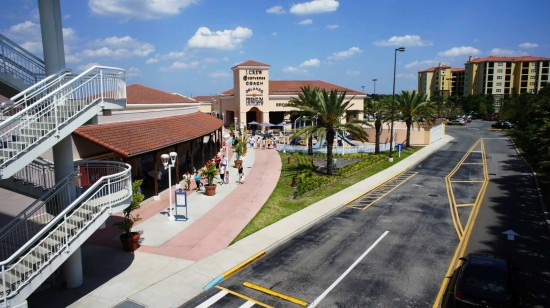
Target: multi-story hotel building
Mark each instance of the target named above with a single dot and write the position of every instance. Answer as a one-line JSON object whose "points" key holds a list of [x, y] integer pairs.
{"points": [[441, 82], [497, 76]]}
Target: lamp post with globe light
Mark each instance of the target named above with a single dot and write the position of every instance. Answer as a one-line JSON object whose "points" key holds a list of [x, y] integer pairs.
{"points": [[169, 161]]}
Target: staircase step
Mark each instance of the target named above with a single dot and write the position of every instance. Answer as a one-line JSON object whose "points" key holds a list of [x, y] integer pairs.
{"points": [[23, 269], [6, 291]]}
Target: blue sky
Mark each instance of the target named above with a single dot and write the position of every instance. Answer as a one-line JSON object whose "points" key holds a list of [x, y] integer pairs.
{"points": [[189, 46]]}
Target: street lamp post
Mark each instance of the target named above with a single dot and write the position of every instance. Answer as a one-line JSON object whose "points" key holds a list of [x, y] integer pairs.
{"points": [[169, 161], [400, 49], [374, 88], [284, 136]]}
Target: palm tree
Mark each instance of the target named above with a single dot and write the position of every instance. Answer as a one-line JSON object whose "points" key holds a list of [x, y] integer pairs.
{"points": [[330, 108], [306, 97], [377, 108], [413, 106]]}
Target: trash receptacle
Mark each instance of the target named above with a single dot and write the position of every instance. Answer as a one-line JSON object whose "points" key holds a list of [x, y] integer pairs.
{"points": [[334, 161]]}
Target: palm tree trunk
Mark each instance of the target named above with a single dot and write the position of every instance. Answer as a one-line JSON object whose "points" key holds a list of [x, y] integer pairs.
{"points": [[378, 132], [310, 145], [330, 142], [408, 143]]}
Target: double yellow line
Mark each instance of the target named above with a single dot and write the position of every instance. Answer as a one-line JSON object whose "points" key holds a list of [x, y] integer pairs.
{"points": [[462, 232]]}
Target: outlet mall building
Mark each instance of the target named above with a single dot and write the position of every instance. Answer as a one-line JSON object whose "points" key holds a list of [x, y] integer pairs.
{"points": [[256, 98]]}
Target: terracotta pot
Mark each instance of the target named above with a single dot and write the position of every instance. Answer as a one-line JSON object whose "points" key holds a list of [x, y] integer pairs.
{"points": [[210, 189], [238, 163], [130, 243]]}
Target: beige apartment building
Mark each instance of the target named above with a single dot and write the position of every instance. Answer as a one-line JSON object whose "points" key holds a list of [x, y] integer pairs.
{"points": [[491, 75], [441, 81], [256, 98]]}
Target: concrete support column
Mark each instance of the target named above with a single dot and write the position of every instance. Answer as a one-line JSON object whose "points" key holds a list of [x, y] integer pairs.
{"points": [[52, 35], [72, 270], [54, 58]]}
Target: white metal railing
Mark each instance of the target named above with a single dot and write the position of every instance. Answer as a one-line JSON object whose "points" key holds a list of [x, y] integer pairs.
{"points": [[46, 117], [368, 148], [33, 93], [40, 173], [19, 62], [49, 227]]}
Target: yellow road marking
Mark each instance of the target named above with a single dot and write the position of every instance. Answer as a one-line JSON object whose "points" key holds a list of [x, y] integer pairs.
{"points": [[243, 264], [274, 293], [472, 163], [244, 297], [465, 205], [461, 248], [383, 194]]}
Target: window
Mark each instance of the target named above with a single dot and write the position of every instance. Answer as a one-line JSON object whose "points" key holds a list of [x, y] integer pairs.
{"points": [[499, 77], [533, 77], [499, 84], [500, 64], [533, 71], [531, 90], [498, 90], [532, 83], [499, 71]]}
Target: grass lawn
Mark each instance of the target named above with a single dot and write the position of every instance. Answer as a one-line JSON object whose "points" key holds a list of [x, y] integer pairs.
{"points": [[282, 203]]}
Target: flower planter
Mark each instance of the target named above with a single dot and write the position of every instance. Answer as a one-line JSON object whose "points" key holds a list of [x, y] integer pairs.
{"points": [[238, 163], [130, 243], [210, 189]]}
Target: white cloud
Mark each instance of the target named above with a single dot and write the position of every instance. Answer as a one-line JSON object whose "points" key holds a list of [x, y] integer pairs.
{"points": [[275, 10], [332, 27], [311, 63], [133, 72], [220, 75], [152, 61], [459, 51], [27, 34], [314, 7], [295, 70], [226, 39], [528, 45], [421, 63], [345, 54], [405, 40], [507, 52], [140, 9], [305, 22], [179, 65], [119, 47], [353, 73]]}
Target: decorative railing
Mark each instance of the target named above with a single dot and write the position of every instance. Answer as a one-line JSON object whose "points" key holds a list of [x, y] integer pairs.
{"points": [[48, 227], [20, 63], [34, 93], [45, 117], [39, 173]]}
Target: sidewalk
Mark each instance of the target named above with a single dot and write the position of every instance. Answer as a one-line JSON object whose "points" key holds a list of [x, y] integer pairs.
{"points": [[178, 258]]}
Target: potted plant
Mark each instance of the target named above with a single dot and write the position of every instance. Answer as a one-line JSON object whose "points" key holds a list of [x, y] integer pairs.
{"points": [[240, 148], [130, 239], [210, 173]]}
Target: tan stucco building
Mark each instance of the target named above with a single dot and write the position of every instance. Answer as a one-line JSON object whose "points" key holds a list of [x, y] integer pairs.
{"points": [[255, 97]]}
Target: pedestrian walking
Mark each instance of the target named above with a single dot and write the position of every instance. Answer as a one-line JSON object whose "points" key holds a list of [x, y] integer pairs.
{"points": [[197, 178], [222, 174], [241, 175]]}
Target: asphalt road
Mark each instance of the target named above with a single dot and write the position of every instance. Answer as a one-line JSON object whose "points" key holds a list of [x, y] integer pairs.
{"points": [[396, 252]]}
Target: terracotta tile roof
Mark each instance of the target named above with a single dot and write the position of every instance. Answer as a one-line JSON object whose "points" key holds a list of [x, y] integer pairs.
{"points": [[135, 137], [508, 59], [251, 63], [138, 94], [291, 87], [3, 98], [457, 69], [431, 69], [203, 98]]}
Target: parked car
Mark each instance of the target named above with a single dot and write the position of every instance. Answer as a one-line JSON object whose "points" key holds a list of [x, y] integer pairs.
{"points": [[485, 281], [458, 121], [503, 125]]}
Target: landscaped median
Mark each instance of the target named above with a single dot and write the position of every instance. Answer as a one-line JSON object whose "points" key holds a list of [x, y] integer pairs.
{"points": [[312, 185]]}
